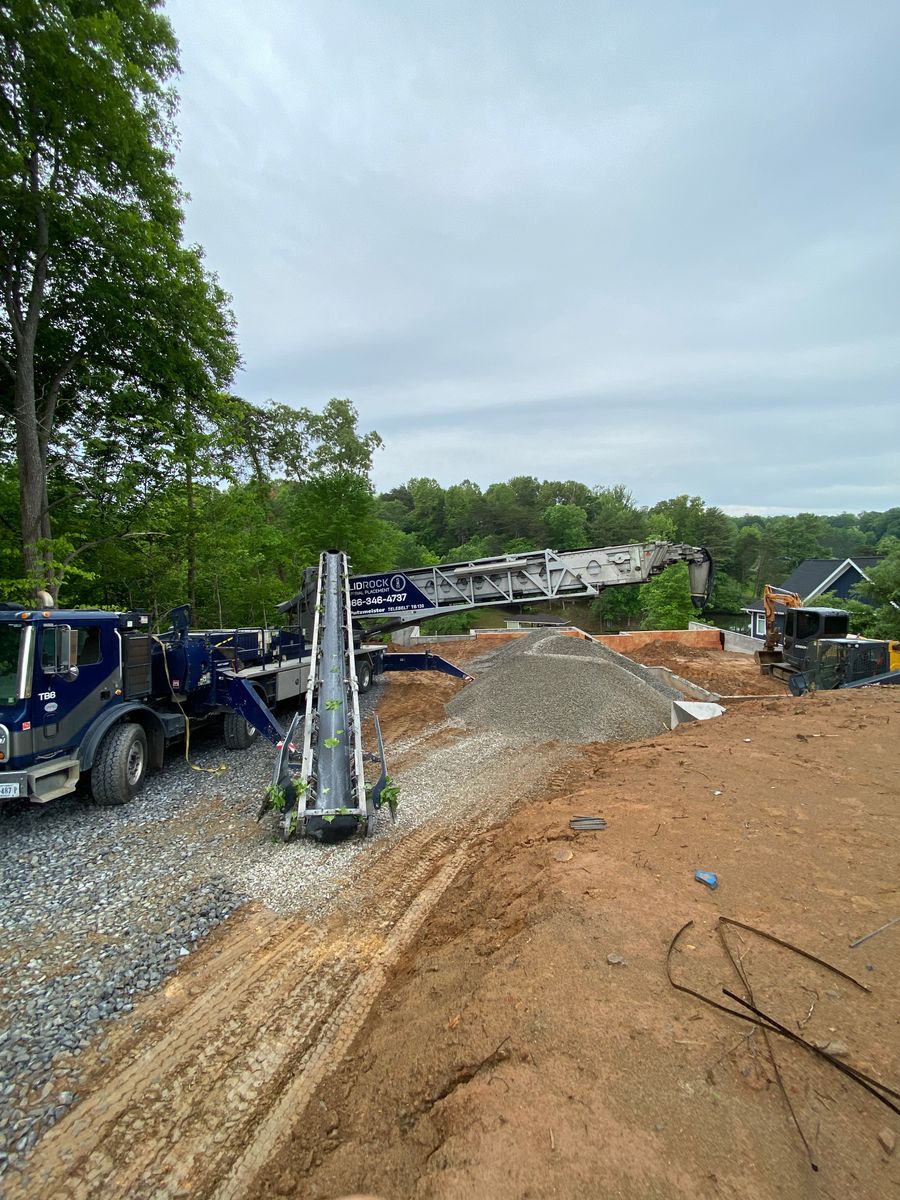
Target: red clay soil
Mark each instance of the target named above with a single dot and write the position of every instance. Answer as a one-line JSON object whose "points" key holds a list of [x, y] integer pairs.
{"points": [[716, 670], [530, 1043]]}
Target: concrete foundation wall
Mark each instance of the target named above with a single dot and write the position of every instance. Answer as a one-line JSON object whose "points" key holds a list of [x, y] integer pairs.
{"points": [[705, 638], [739, 643]]}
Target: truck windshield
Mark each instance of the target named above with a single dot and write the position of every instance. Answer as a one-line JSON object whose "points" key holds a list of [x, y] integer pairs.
{"points": [[10, 637]]}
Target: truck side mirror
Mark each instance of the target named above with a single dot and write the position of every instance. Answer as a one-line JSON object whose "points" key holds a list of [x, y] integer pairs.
{"points": [[65, 653]]}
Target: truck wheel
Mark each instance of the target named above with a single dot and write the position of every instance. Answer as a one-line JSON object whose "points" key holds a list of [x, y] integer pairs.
{"points": [[120, 766], [364, 677], [239, 734]]}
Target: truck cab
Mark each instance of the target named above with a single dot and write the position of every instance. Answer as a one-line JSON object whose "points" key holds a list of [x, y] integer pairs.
{"points": [[66, 676]]}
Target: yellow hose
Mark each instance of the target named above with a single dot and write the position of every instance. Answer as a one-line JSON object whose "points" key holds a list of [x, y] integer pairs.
{"points": [[187, 721]]}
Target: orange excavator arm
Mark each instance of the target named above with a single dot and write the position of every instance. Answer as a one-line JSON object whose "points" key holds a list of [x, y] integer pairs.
{"points": [[771, 597]]}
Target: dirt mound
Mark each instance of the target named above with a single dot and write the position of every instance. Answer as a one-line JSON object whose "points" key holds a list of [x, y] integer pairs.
{"points": [[658, 652], [718, 671]]}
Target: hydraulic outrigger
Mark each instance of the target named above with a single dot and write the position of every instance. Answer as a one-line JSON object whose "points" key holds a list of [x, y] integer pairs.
{"points": [[318, 783]]}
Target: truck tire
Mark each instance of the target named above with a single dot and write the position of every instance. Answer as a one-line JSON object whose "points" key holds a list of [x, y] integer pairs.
{"points": [[120, 766], [239, 734], [364, 676]]}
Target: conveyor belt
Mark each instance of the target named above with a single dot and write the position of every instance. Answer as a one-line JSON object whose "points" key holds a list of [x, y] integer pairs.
{"points": [[319, 772]]}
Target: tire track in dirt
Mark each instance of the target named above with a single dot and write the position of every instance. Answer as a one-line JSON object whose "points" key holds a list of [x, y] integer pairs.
{"points": [[337, 1037], [197, 1100]]}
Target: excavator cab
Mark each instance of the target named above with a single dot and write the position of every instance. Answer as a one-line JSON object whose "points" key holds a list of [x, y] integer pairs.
{"points": [[804, 628]]}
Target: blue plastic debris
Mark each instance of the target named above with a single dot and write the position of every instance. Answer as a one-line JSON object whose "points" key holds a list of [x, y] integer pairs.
{"points": [[708, 877]]}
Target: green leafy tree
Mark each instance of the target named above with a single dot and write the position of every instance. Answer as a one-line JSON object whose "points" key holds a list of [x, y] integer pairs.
{"points": [[666, 600], [100, 296], [568, 491], [566, 526], [883, 591], [728, 596], [426, 519], [516, 545], [699, 524], [881, 524], [615, 519], [806, 536], [410, 552], [506, 513], [618, 607], [463, 515], [745, 559], [476, 547], [845, 537]]}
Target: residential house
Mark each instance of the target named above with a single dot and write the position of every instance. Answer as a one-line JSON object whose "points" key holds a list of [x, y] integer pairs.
{"points": [[812, 578]]}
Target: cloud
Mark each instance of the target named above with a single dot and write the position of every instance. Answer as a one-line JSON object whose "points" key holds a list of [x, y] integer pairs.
{"points": [[655, 244]]}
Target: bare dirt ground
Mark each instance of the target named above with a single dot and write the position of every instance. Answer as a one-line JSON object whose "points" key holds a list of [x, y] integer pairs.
{"points": [[716, 670], [453, 1028]]}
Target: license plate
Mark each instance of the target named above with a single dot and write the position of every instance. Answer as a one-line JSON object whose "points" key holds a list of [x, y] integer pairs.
{"points": [[8, 789]]}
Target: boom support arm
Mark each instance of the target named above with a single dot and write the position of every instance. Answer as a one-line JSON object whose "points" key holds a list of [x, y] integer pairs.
{"points": [[421, 592]]}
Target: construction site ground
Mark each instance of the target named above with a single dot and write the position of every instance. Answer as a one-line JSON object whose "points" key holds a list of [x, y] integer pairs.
{"points": [[486, 1011], [720, 671]]}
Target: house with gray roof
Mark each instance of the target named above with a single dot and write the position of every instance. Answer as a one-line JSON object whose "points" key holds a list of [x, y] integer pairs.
{"points": [[812, 578]]}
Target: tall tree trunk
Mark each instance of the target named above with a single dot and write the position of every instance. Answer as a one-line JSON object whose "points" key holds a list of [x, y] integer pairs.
{"points": [[24, 321], [28, 452], [191, 533]]}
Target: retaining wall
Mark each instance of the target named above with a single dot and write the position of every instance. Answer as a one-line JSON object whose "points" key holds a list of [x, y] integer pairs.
{"points": [[705, 638], [739, 643]]}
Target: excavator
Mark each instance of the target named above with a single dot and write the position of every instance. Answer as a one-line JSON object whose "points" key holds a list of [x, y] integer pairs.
{"points": [[816, 652]]}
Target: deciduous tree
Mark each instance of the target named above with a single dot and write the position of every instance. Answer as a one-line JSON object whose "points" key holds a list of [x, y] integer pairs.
{"points": [[99, 294]]}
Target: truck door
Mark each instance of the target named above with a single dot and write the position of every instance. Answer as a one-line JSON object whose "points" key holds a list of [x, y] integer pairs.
{"points": [[77, 672]]}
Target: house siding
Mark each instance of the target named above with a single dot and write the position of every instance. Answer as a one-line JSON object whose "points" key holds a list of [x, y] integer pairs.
{"points": [[844, 583]]}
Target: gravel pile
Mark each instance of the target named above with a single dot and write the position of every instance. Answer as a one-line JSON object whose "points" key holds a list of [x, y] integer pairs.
{"points": [[554, 687], [635, 669]]}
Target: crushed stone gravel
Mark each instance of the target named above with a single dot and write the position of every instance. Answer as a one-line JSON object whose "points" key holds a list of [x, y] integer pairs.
{"points": [[556, 687], [100, 905]]}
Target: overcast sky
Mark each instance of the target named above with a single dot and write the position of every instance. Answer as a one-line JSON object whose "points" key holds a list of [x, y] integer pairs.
{"points": [[649, 243]]}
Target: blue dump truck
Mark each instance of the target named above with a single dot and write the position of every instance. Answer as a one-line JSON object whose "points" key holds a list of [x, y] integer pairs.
{"points": [[94, 696]]}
